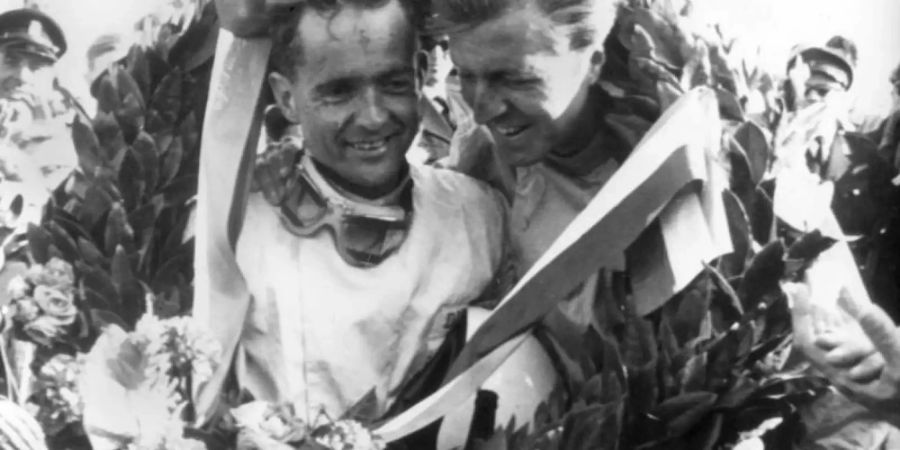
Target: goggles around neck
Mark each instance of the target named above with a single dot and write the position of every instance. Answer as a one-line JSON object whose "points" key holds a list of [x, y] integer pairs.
{"points": [[365, 233]]}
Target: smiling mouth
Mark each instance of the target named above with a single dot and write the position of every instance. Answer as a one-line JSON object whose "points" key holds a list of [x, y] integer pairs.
{"points": [[510, 132], [369, 145]]}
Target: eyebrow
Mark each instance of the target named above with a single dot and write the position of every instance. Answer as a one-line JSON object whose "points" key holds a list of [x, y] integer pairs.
{"points": [[396, 71], [501, 72], [325, 87], [353, 79]]}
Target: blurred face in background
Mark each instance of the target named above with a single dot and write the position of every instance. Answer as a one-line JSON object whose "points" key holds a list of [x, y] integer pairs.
{"points": [[439, 63], [24, 75], [826, 81], [355, 93], [823, 90]]}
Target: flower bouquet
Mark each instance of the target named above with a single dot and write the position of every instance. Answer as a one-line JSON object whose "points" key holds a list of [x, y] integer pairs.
{"points": [[264, 426], [42, 303], [136, 387]]}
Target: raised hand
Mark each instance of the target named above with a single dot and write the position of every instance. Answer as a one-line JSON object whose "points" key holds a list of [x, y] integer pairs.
{"points": [[856, 346], [831, 339], [871, 385]]}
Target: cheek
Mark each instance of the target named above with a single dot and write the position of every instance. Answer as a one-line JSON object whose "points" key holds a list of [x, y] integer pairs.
{"points": [[319, 125], [560, 94], [319, 115], [467, 91], [44, 78], [405, 109], [563, 82], [538, 105]]}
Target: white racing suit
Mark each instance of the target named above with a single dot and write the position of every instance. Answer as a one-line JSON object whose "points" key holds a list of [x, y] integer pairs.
{"points": [[322, 334]]}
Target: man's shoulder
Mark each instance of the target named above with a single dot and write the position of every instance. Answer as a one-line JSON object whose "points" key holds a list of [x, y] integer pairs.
{"points": [[447, 186]]}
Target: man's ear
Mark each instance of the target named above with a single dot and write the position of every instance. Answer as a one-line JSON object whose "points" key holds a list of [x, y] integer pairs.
{"points": [[421, 67], [284, 96], [597, 61]]}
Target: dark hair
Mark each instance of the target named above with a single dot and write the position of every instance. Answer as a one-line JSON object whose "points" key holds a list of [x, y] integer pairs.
{"points": [[287, 51], [577, 16]]}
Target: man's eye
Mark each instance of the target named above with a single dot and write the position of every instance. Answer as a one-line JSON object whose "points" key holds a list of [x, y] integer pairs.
{"points": [[400, 85], [336, 92], [12, 60], [36, 65], [518, 81]]}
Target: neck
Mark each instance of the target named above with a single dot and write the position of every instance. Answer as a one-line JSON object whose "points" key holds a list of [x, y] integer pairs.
{"points": [[585, 148], [365, 192], [584, 129]]}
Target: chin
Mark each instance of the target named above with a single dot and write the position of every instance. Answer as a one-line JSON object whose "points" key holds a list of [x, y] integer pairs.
{"points": [[381, 174], [521, 157]]}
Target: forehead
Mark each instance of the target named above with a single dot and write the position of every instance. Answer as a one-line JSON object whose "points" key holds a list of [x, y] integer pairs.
{"points": [[356, 39], [516, 38]]}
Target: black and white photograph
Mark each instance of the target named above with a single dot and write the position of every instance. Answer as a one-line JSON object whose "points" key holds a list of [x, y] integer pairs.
{"points": [[449, 224]]}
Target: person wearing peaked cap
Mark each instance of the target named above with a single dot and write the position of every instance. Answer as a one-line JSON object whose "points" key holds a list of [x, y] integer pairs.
{"points": [[34, 109], [817, 72], [31, 31], [817, 103], [30, 44]]}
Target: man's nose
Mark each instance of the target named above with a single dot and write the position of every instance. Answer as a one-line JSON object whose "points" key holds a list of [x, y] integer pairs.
{"points": [[24, 73], [373, 113], [486, 104]]}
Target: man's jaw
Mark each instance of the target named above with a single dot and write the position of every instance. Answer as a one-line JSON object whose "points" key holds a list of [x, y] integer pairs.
{"points": [[522, 152]]}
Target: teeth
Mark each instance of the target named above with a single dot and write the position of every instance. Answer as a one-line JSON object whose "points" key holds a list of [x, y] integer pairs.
{"points": [[368, 145], [510, 131]]}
